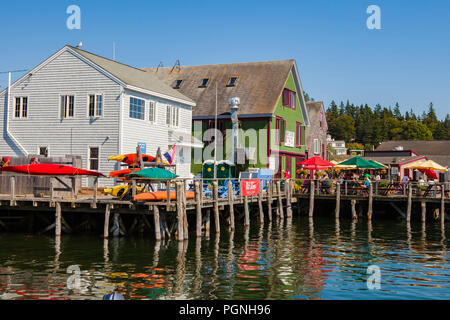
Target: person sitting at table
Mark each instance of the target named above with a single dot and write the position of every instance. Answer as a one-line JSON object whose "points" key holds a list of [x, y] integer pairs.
{"points": [[367, 182], [326, 183]]}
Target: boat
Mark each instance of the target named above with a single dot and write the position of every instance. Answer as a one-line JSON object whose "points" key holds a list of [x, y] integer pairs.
{"points": [[131, 158], [120, 191], [161, 195], [50, 169], [121, 173]]}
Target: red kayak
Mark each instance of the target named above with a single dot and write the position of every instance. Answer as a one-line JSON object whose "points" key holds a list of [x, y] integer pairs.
{"points": [[121, 173], [47, 169], [130, 158]]}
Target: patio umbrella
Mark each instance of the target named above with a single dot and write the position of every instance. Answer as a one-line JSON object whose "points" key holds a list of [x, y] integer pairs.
{"points": [[316, 163], [428, 164], [359, 162], [153, 174], [377, 165]]}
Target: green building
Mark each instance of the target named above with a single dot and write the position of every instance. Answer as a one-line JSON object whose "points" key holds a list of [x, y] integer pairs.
{"points": [[272, 112]]}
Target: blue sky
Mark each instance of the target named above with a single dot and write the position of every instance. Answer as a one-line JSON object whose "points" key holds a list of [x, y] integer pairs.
{"points": [[339, 58]]}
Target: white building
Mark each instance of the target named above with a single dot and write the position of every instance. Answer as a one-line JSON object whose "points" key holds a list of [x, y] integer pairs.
{"points": [[76, 102], [337, 145]]}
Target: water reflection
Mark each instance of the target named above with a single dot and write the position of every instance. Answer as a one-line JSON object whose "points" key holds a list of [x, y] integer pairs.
{"points": [[282, 259]]}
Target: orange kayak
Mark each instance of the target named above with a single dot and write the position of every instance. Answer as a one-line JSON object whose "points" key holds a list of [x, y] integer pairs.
{"points": [[130, 158], [121, 173], [161, 195]]}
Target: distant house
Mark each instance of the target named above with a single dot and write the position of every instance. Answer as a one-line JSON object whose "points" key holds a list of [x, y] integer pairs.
{"points": [[437, 150], [271, 104], [79, 103], [316, 133], [337, 145]]}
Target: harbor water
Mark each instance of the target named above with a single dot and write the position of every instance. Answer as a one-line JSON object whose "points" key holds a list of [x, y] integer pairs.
{"points": [[302, 259]]}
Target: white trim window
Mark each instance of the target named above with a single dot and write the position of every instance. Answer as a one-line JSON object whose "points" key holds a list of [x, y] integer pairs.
{"points": [[316, 146], [137, 108], [21, 107], [152, 112], [95, 105], [67, 106], [43, 151], [172, 116], [94, 156]]}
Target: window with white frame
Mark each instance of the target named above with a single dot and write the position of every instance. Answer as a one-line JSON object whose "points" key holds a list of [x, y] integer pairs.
{"points": [[316, 146], [152, 111], [93, 158], [43, 151], [137, 108], [67, 106], [95, 105], [172, 116], [21, 107]]}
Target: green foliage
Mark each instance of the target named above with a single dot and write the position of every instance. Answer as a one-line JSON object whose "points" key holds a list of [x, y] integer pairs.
{"points": [[370, 127], [355, 146]]}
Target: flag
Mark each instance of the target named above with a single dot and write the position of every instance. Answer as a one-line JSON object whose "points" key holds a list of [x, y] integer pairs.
{"points": [[170, 155]]}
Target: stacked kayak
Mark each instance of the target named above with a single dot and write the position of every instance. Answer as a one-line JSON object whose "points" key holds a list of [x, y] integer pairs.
{"points": [[161, 195], [48, 169], [131, 158], [121, 191]]}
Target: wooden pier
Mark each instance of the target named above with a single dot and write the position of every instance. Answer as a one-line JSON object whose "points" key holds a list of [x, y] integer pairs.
{"points": [[225, 205]]}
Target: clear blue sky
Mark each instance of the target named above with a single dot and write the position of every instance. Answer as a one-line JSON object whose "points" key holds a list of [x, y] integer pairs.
{"points": [[407, 61]]}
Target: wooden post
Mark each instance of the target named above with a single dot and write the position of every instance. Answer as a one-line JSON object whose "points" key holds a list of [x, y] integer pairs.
{"points": [[442, 204], [408, 211], [208, 222], [269, 199], [157, 223], [260, 205], [168, 193], [370, 211], [230, 204], [247, 215], [216, 205], [346, 187], [185, 220], [58, 220], [198, 207], [106, 225], [338, 200], [13, 190], [317, 187], [180, 218], [280, 200], [353, 204], [133, 190], [423, 204], [287, 189], [94, 203], [52, 191], [311, 198]]}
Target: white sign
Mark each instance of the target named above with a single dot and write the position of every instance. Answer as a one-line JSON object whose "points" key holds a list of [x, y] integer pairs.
{"points": [[290, 139], [272, 163]]}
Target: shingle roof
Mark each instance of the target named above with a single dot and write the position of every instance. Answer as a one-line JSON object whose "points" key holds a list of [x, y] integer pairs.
{"points": [[259, 85], [425, 148], [314, 109], [392, 160], [132, 76]]}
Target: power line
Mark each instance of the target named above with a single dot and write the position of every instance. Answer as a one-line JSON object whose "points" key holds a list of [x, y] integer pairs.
{"points": [[14, 71]]}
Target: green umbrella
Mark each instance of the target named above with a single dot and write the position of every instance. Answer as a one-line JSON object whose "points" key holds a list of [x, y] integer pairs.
{"points": [[153, 174], [376, 165], [359, 163]]}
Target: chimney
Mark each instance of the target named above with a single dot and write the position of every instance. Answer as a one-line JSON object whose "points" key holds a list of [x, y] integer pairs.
{"points": [[234, 107]]}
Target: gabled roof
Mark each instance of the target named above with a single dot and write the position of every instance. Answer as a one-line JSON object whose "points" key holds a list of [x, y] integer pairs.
{"points": [[421, 147], [127, 76], [259, 86], [314, 109]]}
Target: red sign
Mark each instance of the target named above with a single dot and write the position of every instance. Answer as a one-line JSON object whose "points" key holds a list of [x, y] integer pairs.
{"points": [[250, 187]]}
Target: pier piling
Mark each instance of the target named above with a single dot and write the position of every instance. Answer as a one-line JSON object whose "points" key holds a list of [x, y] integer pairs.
{"points": [[338, 200], [198, 208], [311, 198], [230, 204], [216, 206]]}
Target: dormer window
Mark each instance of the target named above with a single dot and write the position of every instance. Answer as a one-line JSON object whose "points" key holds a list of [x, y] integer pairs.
{"points": [[204, 83], [232, 81], [177, 84]]}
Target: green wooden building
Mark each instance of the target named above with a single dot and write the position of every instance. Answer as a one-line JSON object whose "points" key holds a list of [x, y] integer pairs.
{"points": [[272, 109]]}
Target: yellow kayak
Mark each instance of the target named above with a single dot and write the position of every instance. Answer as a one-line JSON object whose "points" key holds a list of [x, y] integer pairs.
{"points": [[121, 191]]}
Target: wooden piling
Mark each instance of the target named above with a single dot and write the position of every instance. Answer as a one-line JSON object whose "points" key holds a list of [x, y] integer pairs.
{"points": [[168, 194], [353, 205], [338, 200], [423, 204], [52, 189], [215, 185], [269, 199], [246, 213], [208, 222], [442, 204], [58, 220], [94, 201], [157, 223], [260, 204], [408, 211], [370, 209], [185, 220], [198, 208], [280, 200], [287, 189], [180, 217], [230, 204], [133, 190], [311, 198], [12, 185], [106, 225]]}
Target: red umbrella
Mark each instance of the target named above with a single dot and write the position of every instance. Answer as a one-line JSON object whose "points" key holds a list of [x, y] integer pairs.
{"points": [[430, 173], [316, 163]]}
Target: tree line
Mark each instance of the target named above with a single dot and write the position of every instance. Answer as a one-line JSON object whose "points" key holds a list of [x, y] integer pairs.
{"points": [[371, 126]]}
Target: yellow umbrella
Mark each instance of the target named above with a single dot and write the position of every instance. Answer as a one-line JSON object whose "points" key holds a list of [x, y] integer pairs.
{"points": [[343, 167], [428, 164]]}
